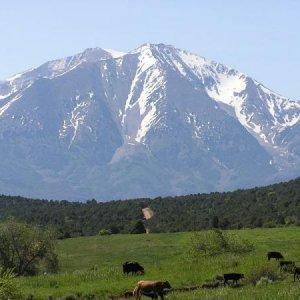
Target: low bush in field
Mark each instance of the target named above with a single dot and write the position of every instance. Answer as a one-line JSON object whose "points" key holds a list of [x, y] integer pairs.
{"points": [[8, 285], [266, 273], [104, 232], [217, 242]]}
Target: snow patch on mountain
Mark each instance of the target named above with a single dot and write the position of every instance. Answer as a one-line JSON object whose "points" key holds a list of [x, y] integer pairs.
{"points": [[145, 92], [8, 104], [235, 89], [227, 88], [115, 53]]}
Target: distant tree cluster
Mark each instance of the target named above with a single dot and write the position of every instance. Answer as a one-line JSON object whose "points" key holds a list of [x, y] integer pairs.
{"points": [[270, 206]]}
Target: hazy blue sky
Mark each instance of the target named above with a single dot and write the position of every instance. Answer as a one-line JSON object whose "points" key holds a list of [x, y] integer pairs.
{"points": [[260, 37]]}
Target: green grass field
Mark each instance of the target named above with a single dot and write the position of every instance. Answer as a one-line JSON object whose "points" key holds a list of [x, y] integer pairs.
{"points": [[93, 266]]}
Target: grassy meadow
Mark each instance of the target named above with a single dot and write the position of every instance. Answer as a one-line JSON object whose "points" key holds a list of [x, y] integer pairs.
{"points": [[92, 266]]}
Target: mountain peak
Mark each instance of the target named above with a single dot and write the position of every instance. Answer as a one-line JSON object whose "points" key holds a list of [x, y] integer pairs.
{"points": [[153, 46], [115, 53], [97, 53], [92, 55]]}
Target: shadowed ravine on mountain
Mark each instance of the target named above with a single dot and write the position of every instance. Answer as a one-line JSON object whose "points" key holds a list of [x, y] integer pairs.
{"points": [[154, 121]]}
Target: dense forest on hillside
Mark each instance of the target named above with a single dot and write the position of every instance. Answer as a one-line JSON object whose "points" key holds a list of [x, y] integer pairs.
{"points": [[269, 206]]}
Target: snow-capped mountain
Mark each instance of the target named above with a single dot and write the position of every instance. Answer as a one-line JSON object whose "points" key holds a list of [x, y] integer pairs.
{"points": [[154, 121]]}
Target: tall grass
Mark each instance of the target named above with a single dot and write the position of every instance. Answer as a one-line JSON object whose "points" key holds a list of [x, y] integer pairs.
{"points": [[9, 289]]}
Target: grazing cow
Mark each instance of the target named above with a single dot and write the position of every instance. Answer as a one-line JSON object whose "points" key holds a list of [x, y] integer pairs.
{"points": [[296, 273], [286, 265], [133, 268], [152, 289], [274, 254], [235, 277]]}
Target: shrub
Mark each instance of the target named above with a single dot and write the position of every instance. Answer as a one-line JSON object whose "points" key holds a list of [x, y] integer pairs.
{"points": [[290, 220], [8, 287], [25, 248], [103, 232], [270, 224], [214, 222], [263, 273], [217, 242]]}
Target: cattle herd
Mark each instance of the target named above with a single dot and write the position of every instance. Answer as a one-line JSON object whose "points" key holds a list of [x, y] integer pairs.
{"points": [[155, 289], [285, 264]]}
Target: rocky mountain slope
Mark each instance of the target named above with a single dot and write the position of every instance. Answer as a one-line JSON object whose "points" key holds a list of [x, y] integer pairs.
{"points": [[154, 121]]}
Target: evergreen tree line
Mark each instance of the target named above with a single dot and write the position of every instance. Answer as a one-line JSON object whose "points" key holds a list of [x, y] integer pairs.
{"points": [[270, 206]]}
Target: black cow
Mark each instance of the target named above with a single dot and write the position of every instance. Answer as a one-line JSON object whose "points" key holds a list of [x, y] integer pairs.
{"points": [[274, 254], [235, 277], [296, 273], [286, 265], [133, 267]]}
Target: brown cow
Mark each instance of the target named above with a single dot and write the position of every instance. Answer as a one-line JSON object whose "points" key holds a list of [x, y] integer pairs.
{"points": [[151, 289]]}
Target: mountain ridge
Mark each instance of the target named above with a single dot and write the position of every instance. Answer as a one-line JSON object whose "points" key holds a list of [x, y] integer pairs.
{"points": [[154, 121]]}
